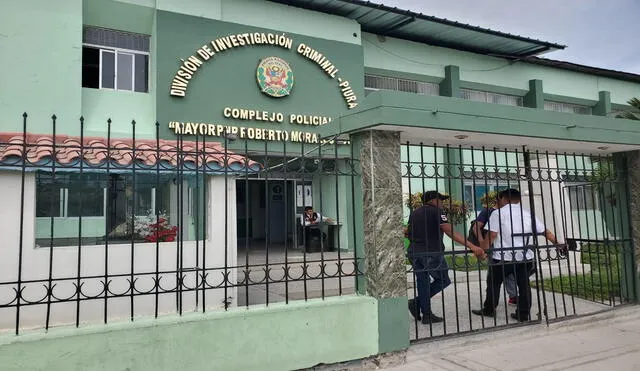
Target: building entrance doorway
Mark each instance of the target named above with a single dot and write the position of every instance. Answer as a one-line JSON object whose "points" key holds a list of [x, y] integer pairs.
{"points": [[266, 211]]}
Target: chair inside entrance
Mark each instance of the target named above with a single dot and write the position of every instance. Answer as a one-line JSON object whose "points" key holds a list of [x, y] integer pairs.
{"points": [[311, 238]]}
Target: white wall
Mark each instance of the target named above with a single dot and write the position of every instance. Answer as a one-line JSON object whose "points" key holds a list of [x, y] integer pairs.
{"points": [[35, 265]]}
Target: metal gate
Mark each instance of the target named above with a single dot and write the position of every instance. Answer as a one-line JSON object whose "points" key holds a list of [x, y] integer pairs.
{"points": [[580, 198]]}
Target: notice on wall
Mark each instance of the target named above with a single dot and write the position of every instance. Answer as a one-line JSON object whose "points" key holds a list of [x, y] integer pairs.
{"points": [[308, 200], [299, 196], [276, 193]]}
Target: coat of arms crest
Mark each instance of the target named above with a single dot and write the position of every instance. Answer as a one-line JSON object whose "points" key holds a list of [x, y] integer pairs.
{"points": [[275, 77]]}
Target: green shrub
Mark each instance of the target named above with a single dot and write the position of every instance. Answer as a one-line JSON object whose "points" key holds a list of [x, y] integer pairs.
{"points": [[465, 263], [590, 286], [602, 283]]}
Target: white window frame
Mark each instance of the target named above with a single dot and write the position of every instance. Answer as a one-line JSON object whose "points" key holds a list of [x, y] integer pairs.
{"points": [[488, 97], [116, 51], [397, 81], [568, 107]]}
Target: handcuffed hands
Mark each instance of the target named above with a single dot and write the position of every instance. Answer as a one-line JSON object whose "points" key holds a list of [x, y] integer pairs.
{"points": [[479, 253]]}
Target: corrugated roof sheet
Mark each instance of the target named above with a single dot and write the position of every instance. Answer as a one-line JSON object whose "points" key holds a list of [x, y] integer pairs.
{"points": [[404, 24]]}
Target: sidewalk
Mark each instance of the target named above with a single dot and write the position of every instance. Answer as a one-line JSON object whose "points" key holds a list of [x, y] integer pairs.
{"points": [[606, 341]]}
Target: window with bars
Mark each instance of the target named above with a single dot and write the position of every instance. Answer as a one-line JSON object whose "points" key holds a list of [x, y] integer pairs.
{"points": [[375, 82], [489, 97], [115, 60], [567, 108]]}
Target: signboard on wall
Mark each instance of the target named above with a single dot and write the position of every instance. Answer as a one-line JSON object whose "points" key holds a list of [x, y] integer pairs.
{"points": [[219, 80]]}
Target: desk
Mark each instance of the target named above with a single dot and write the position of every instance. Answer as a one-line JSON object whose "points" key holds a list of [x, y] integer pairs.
{"points": [[312, 237]]}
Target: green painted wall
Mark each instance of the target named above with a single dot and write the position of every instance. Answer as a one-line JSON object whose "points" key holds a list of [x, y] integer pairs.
{"points": [[280, 337], [260, 13], [336, 202], [211, 9], [41, 57], [118, 15], [123, 107], [265, 14], [400, 55], [393, 324]]}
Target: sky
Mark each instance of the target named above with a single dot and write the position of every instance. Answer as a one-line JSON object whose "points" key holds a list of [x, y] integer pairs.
{"points": [[598, 33]]}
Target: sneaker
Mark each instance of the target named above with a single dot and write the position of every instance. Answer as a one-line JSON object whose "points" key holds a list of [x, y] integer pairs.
{"points": [[482, 312], [413, 309], [431, 318], [513, 300]]}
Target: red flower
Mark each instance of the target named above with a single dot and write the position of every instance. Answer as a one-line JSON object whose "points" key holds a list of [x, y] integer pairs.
{"points": [[160, 232]]}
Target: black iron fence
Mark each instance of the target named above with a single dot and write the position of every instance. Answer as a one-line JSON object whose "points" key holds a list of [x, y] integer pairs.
{"points": [[577, 259], [116, 226]]}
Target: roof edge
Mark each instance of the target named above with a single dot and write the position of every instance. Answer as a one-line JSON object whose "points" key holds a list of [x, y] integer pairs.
{"points": [[538, 46], [570, 66], [449, 22]]}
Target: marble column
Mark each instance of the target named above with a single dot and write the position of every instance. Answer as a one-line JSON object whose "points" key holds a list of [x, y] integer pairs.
{"points": [[630, 281], [385, 275], [382, 214]]}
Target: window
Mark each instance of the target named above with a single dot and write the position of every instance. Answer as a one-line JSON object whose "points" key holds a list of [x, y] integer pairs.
{"points": [[110, 207], [474, 193], [583, 197], [53, 197], [489, 97], [373, 83], [115, 60], [567, 108]]}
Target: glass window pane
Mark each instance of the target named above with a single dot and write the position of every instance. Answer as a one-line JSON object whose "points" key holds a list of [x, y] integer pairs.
{"points": [[142, 73], [108, 66], [47, 195], [428, 88], [86, 195], [408, 86], [90, 68], [125, 71], [474, 95], [141, 203]]}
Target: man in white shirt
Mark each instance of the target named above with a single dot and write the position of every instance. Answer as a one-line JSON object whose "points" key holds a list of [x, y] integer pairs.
{"points": [[311, 217], [512, 231], [310, 220]]}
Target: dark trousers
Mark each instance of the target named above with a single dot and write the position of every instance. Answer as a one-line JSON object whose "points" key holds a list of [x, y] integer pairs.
{"points": [[426, 267], [498, 270]]}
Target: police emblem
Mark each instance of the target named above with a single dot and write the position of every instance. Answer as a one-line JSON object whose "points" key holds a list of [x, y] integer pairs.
{"points": [[275, 77]]}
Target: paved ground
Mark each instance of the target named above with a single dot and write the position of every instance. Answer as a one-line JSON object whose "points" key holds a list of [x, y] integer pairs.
{"points": [[606, 341], [456, 302]]}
